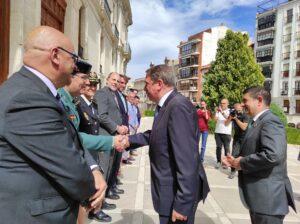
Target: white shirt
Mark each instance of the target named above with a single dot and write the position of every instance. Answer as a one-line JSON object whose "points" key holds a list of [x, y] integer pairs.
{"points": [[164, 98], [45, 80], [221, 128], [259, 114]]}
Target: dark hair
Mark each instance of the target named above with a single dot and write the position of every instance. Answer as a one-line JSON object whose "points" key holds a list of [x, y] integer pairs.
{"points": [[163, 72], [137, 97], [256, 91]]}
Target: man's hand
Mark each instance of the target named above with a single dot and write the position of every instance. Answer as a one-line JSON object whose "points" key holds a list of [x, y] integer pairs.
{"points": [[122, 130], [100, 185], [230, 161], [178, 216], [120, 142], [236, 163]]}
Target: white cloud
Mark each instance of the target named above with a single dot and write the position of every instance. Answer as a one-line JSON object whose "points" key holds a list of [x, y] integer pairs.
{"points": [[158, 29]]}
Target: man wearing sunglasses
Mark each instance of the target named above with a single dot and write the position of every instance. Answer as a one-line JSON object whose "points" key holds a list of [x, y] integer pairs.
{"points": [[45, 172]]}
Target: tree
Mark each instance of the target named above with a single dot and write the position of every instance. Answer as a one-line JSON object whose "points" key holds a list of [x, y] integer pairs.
{"points": [[234, 70]]}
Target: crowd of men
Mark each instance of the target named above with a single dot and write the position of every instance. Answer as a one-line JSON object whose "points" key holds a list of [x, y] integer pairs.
{"points": [[62, 142]]}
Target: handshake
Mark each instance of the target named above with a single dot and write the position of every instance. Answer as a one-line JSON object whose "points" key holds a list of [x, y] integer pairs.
{"points": [[121, 141]]}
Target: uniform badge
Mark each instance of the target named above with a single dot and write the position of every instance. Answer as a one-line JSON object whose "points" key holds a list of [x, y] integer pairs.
{"points": [[72, 117], [86, 115]]}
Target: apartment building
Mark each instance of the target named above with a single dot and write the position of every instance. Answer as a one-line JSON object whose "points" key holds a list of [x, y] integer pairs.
{"points": [[277, 48], [98, 30], [195, 56]]}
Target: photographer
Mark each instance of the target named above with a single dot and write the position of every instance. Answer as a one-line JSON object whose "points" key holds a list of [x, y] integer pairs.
{"points": [[203, 118], [240, 123]]}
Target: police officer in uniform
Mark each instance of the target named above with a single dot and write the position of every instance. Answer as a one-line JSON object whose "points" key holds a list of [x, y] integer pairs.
{"points": [[89, 123]]}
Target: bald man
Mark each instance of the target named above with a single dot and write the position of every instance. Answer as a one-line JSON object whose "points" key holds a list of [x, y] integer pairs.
{"points": [[45, 172]]}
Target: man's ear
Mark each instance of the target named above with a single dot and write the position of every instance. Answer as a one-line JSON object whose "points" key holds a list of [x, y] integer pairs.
{"points": [[260, 99], [54, 57]]}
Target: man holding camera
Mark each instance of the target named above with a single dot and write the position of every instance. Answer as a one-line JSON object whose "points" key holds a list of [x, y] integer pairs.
{"points": [[223, 130], [240, 122]]}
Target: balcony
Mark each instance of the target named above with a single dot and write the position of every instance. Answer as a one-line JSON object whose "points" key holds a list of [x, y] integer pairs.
{"points": [[266, 22], [265, 42], [287, 37], [115, 30], [284, 92], [192, 51], [107, 9], [285, 74], [297, 54], [296, 91], [265, 58], [286, 55]]}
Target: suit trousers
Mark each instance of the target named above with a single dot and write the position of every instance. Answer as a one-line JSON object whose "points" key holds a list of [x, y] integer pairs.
{"points": [[168, 220], [104, 159], [257, 218], [114, 170], [222, 140]]}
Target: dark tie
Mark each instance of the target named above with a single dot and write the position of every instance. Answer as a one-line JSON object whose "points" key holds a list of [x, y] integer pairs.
{"points": [[61, 104], [157, 109]]}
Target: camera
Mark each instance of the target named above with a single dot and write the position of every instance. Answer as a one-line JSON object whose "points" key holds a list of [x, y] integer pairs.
{"points": [[233, 113], [82, 67]]}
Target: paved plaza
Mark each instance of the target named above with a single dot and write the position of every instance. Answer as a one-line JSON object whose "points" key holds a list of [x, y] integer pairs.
{"points": [[223, 205]]}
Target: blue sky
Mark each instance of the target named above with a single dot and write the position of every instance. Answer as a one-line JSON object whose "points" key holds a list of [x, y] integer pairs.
{"points": [[159, 26]]}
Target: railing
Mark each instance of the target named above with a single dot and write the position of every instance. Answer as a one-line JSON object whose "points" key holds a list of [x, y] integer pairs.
{"points": [[286, 55], [264, 58], [285, 74], [107, 9], [187, 52], [193, 88], [284, 92]]}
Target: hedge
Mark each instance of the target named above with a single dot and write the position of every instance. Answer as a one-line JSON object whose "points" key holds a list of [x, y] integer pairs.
{"points": [[149, 113]]}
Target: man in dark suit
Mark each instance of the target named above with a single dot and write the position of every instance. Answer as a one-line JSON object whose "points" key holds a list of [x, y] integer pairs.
{"points": [[178, 179], [36, 139], [110, 124], [264, 184]]}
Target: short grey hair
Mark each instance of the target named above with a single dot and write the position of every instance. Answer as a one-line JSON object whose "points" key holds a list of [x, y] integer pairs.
{"points": [[163, 72]]}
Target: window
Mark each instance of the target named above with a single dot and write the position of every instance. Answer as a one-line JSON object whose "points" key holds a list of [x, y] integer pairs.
{"points": [[285, 85]]}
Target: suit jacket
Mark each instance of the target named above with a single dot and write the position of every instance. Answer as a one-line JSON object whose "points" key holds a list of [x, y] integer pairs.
{"points": [[123, 109], [108, 110], [263, 180], [36, 139], [178, 179]]}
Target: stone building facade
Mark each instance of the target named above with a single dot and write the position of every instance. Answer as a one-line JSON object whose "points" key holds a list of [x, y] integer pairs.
{"points": [[97, 28]]}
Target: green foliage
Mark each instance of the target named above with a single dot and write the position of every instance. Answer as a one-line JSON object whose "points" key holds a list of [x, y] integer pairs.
{"points": [[149, 113], [232, 72], [211, 126], [293, 135], [279, 113]]}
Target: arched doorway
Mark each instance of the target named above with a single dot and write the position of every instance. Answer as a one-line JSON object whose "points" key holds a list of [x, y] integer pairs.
{"points": [[4, 39]]}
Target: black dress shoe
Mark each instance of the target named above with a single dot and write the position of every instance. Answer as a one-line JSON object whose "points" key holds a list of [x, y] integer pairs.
{"points": [[108, 206], [118, 182], [100, 216], [111, 195], [117, 190]]}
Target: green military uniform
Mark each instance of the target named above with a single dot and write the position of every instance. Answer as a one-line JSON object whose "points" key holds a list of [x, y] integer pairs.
{"points": [[90, 142]]}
